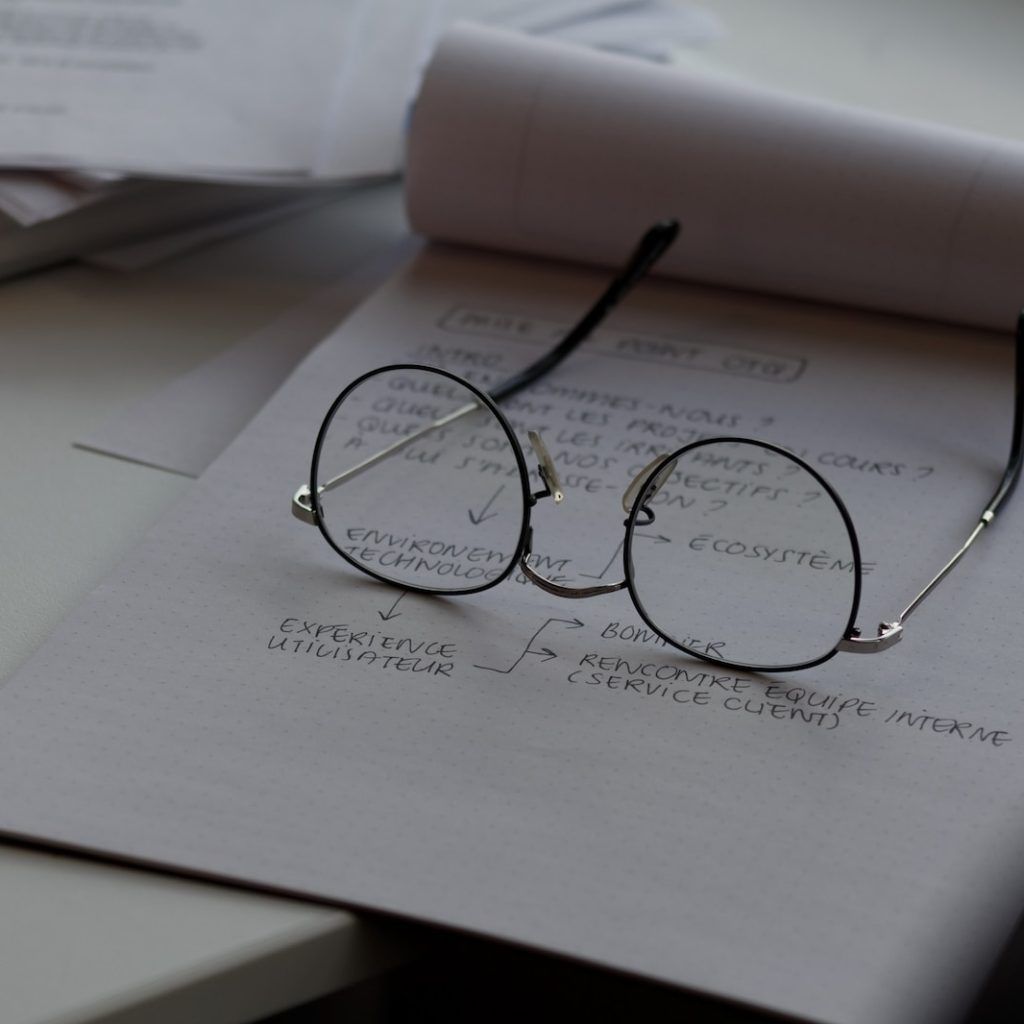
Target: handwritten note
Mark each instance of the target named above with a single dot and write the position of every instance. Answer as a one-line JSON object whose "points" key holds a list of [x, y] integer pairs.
{"points": [[239, 701]]}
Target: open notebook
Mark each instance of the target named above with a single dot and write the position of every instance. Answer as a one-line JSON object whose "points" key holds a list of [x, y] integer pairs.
{"points": [[235, 701]]}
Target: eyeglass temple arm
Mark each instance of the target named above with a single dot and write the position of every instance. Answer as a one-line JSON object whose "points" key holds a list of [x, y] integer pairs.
{"points": [[302, 501], [1013, 464], [889, 632], [649, 250]]}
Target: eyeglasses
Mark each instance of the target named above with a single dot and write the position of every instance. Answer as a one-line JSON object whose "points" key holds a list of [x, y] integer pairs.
{"points": [[418, 480]]}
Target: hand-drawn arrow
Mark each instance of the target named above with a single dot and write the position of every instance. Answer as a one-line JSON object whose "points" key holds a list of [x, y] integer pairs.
{"points": [[476, 518], [658, 538], [545, 652], [391, 613]]}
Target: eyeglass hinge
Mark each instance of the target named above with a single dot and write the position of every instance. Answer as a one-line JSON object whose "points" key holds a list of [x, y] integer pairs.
{"points": [[889, 633], [302, 506]]}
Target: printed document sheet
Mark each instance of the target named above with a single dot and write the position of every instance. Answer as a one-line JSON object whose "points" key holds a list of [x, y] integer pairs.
{"points": [[841, 844]]}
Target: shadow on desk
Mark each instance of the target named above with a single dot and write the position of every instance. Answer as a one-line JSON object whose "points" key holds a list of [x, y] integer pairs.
{"points": [[462, 980]]}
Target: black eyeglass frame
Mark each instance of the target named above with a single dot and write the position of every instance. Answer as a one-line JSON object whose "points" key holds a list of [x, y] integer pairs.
{"points": [[486, 402], [640, 506], [530, 498], [306, 501]]}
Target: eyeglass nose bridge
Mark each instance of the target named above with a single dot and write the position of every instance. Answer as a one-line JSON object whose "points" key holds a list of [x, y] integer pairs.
{"points": [[553, 586], [553, 488]]}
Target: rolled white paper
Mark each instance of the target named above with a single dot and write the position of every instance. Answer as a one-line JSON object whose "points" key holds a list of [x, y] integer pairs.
{"points": [[538, 147]]}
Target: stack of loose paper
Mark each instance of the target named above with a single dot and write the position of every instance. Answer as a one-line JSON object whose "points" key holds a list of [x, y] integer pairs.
{"points": [[253, 103]]}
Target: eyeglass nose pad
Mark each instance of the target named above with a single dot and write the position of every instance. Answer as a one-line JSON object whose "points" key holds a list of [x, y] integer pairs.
{"points": [[656, 484], [548, 473]]}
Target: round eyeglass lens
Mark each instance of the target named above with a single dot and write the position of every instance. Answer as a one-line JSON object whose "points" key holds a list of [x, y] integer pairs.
{"points": [[419, 482], [750, 559]]}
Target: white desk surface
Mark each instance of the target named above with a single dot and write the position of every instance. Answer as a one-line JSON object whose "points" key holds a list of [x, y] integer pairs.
{"points": [[82, 941]]}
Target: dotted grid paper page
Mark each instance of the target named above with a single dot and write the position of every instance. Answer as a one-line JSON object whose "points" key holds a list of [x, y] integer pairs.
{"points": [[839, 843]]}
